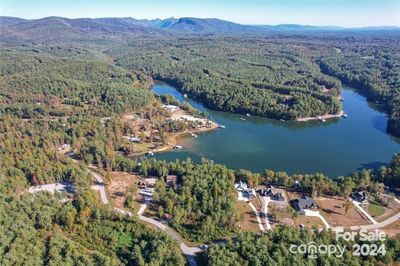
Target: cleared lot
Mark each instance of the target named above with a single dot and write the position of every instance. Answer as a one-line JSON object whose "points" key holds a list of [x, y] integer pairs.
{"points": [[120, 185], [334, 211], [247, 218]]}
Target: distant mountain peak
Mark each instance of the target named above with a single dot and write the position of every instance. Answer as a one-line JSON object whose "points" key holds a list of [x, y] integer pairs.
{"points": [[9, 21]]}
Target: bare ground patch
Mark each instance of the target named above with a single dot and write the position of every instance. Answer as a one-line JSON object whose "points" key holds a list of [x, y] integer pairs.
{"points": [[281, 215], [334, 211], [118, 188], [393, 229], [293, 195], [392, 209]]}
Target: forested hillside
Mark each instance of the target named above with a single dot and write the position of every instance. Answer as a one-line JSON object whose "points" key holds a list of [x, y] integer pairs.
{"points": [[374, 71], [36, 82], [238, 75], [47, 101]]}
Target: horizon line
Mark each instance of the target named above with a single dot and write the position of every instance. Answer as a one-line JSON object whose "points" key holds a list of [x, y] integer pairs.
{"points": [[255, 25]]}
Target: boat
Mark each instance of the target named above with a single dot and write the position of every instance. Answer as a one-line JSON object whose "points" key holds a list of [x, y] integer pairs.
{"points": [[221, 126], [283, 120], [185, 95], [150, 153], [193, 135], [345, 115], [177, 147], [323, 120], [242, 119], [248, 115]]}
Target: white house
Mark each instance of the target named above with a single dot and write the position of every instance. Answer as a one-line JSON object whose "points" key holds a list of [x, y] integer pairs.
{"points": [[134, 139], [170, 107], [241, 186]]}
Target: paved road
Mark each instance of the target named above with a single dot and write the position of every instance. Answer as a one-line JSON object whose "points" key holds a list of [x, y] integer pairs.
{"points": [[265, 201], [317, 214], [100, 186], [378, 225], [189, 252], [357, 204], [373, 226], [257, 216], [381, 224]]}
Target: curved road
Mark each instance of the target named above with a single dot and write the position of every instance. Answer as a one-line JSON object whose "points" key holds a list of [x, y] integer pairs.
{"points": [[384, 223], [100, 187], [189, 252], [311, 213]]}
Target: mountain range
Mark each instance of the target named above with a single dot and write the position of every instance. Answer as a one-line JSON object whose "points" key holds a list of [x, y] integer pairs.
{"points": [[95, 29]]}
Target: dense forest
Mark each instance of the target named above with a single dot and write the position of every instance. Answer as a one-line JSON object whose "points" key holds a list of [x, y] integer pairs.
{"points": [[50, 85], [202, 206], [238, 75], [273, 249], [39, 230]]}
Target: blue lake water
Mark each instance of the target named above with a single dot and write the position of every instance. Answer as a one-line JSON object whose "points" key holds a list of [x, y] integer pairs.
{"points": [[335, 147]]}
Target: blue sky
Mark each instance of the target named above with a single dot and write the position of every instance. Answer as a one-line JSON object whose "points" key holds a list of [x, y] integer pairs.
{"points": [[312, 12]]}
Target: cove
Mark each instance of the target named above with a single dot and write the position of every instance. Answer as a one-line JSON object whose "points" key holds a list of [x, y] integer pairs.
{"points": [[336, 147]]}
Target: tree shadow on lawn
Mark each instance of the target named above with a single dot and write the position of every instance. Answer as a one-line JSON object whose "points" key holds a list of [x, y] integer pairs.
{"points": [[330, 211]]}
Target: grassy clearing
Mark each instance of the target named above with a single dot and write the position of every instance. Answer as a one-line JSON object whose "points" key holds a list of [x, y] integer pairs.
{"points": [[309, 222], [375, 210], [248, 221]]}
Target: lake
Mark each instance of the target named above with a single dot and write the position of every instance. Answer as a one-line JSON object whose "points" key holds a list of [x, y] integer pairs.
{"points": [[335, 147]]}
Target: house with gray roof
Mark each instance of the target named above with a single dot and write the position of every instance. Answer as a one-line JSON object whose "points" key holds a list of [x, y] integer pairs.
{"points": [[304, 203], [275, 194], [361, 196]]}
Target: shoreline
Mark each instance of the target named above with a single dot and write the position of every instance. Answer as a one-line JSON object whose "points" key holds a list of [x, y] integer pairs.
{"points": [[175, 138], [320, 117]]}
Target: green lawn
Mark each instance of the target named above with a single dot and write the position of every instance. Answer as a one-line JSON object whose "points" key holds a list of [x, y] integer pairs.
{"points": [[375, 210]]}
